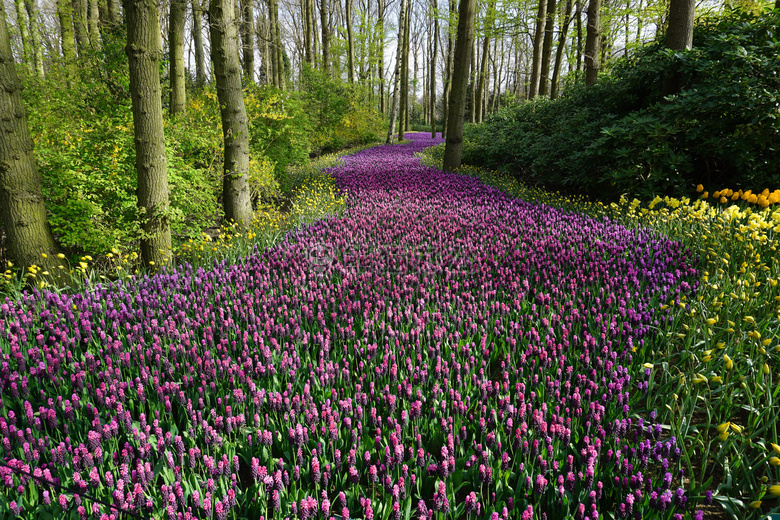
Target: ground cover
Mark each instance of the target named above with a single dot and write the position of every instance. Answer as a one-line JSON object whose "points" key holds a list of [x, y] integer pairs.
{"points": [[441, 349]]}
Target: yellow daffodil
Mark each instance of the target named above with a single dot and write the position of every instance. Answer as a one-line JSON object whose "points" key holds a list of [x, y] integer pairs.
{"points": [[774, 461], [775, 447], [723, 427], [755, 504], [774, 490], [729, 362]]}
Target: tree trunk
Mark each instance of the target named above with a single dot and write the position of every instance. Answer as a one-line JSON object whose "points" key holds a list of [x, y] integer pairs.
{"points": [[448, 70], [325, 22], [593, 42], [559, 52], [350, 41], [94, 23], [381, 53], [114, 12], [35, 36], [197, 41], [65, 15], [432, 98], [143, 51], [248, 40], [481, 79], [473, 83], [263, 37], [236, 199], [80, 25], [22, 207], [679, 35], [176, 44], [397, 74], [549, 28], [404, 102], [536, 63], [579, 35], [279, 68], [460, 75], [24, 33]]}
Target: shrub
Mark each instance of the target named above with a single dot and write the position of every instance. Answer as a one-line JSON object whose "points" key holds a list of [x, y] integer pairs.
{"points": [[623, 136]]}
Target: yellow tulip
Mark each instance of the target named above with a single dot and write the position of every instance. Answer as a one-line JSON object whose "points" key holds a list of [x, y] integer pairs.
{"points": [[723, 427], [774, 461], [765, 369], [699, 188]]}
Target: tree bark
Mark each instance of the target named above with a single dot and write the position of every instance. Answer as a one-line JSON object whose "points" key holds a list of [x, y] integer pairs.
{"points": [[80, 26], [197, 42], [94, 23], [24, 33], [593, 42], [397, 74], [549, 28], [473, 83], [448, 71], [381, 53], [279, 69], [454, 147], [350, 41], [35, 36], [559, 52], [579, 35], [248, 40], [404, 101], [65, 15], [143, 51], [236, 199], [22, 207], [178, 95], [432, 98], [679, 35], [325, 22], [536, 63]]}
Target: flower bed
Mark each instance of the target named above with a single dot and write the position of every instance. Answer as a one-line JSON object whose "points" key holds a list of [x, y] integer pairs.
{"points": [[441, 349]]}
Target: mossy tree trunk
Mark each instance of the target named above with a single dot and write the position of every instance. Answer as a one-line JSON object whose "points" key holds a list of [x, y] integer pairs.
{"points": [[143, 52], [178, 94], [679, 37], [67, 43], [460, 77], [22, 207], [434, 52], [559, 52], [236, 199], [35, 36]]}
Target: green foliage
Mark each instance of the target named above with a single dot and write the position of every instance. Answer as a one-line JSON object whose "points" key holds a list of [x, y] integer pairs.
{"points": [[339, 116], [87, 162], [623, 136]]}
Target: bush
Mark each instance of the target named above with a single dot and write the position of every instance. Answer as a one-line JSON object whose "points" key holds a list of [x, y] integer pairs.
{"points": [[623, 136]]}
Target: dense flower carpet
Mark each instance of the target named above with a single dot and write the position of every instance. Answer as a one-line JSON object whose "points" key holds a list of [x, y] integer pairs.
{"points": [[442, 350]]}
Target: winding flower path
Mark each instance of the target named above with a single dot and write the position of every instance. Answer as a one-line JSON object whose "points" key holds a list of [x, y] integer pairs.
{"points": [[442, 348]]}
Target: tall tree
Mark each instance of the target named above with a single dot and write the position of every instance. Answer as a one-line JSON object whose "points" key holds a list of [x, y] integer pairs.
{"points": [[481, 83], [68, 45], [381, 52], [593, 42], [536, 63], [559, 52], [197, 43], [80, 25], [248, 40], [460, 75], [178, 95], [277, 46], [435, 14], [397, 75], [22, 207], [35, 36], [325, 19], [350, 41], [453, 12], [679, 37], [93, 21], [24, 33], [404, 102], [547, 44], [236, 199], [143, 51]]}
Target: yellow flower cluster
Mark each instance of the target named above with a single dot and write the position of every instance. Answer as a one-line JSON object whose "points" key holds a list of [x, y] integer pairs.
{"points": [[763, 199]]}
